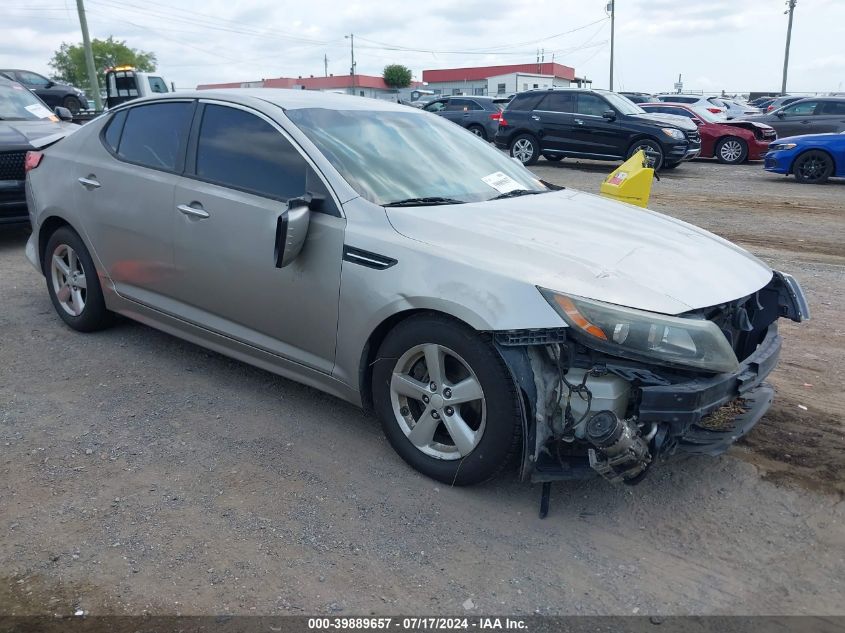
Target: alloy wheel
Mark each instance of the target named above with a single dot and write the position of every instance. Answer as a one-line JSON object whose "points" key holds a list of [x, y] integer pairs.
{"points": [[438, 401], [812, 168], [523, 150], [68, 279], [731, 151]]}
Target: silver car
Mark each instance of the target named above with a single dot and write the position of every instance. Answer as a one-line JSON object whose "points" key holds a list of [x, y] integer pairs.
{"points": [[387, 257]]}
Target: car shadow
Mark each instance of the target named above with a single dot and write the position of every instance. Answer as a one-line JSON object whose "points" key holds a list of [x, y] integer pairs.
{"points": [[13, 236]]}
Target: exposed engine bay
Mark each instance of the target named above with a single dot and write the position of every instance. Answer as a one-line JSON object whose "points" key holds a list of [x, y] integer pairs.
{"points": [[591, 413]]}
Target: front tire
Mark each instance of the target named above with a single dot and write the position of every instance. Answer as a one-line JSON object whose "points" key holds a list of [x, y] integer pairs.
{"points": [[73, 283], [652, 150], [446, 401], [526, 149], [731, 150], [813, 167]]}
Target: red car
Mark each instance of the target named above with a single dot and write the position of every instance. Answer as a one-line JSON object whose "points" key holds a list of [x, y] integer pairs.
{"points": [[728, 141]]}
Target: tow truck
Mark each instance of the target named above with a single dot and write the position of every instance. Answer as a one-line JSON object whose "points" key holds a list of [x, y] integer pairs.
{"points": [[124, 83]]}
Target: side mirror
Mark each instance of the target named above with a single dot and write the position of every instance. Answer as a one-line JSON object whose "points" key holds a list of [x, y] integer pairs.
{"points": [[610, 115], [292, 228], [63, 113]]}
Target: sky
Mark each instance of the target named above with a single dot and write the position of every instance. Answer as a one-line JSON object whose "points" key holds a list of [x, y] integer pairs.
{"points": [[731, 45]]}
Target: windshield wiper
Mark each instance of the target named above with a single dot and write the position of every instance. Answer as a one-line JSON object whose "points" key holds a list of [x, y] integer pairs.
{"points": [[423, 202], [516, 193]]}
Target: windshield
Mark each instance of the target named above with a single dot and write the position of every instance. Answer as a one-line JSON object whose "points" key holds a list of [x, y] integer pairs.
{"points": [[623, 104], [388, 157], [19, 104]]}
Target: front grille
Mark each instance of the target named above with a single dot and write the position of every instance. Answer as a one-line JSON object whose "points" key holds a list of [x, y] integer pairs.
{"points": [[11, 165], [694, 136]]}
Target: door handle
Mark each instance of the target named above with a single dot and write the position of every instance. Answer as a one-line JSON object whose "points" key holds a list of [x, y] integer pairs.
{"points": [[193, 212], [535, 117], [89, 183], [579, 121]]}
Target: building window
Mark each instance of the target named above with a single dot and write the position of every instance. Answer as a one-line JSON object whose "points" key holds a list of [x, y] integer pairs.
{"points": [[456, 91], [478, 91], [501, 89], [536, 85], [361, 93]]}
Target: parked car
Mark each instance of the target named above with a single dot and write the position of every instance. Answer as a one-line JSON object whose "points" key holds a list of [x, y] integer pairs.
{"points": [[24, 121], [711, 104], [728, 141], [597, 124], [734, 109], [811, 158], [762, 101], [386, 257], [815, 115], [50, 92], [778, 102], [480, 115], [637, 97]]}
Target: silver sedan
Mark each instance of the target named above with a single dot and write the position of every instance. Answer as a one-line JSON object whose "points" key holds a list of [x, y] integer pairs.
{"points": [[383, 255]]}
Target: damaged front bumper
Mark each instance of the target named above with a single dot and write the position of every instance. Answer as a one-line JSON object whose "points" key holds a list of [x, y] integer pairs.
{"points": [[641, 412]]}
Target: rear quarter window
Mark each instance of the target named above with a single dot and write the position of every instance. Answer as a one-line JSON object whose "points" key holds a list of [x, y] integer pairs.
{"points": [[154, 135], [525, 102], [111, 135]]}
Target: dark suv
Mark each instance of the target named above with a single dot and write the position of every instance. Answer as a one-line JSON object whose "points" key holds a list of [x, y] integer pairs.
{"points": [[596, 124], [480, 115]]}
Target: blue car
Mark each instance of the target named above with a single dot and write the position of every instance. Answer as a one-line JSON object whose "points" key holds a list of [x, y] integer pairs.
{"points": [[813, 158]]}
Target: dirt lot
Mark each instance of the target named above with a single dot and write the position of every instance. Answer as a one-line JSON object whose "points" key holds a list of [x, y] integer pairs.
{"points": [[140, 474]]}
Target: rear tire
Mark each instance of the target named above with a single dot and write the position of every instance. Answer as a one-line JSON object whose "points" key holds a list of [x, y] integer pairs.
{"points": [[73, 104], [478, 131], [813, 167], [652, 149], [526, 149], [431, 364], [731, 150], [73, 283]]}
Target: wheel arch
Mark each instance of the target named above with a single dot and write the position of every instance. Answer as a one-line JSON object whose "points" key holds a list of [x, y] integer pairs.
{"points": [[519, 132], [45, 230], [376, 338]]}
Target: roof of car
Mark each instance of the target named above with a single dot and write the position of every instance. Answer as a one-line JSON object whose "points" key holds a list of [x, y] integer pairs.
{"points": [[290, 99]]}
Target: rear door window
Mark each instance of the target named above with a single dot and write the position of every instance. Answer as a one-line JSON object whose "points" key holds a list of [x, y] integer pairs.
{"points": [[558, 102], [238, 149], [833, 107], [154, 135]]}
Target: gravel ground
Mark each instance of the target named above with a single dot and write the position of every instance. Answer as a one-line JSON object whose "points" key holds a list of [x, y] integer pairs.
{"points": [[142, 474]]}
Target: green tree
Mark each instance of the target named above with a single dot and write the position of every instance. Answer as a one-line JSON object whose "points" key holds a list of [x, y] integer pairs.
{"points": [[397, 76], [68, 62]]}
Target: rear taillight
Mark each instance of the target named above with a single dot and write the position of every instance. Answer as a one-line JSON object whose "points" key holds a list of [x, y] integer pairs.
{"points": [[770, 108], [496, 116], [32, 160], [502, 121], [715, 110]]}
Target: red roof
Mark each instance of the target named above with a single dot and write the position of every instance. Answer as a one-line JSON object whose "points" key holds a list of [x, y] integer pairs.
{"points": [[483, 72], [313, 83]]}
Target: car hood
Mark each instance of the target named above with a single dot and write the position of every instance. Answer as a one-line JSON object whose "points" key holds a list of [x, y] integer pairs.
{"points": [[585, 245], [26, 133], [678, 121]]}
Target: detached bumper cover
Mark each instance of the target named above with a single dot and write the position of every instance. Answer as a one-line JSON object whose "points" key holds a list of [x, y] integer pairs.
{"points": [[684, 406]]}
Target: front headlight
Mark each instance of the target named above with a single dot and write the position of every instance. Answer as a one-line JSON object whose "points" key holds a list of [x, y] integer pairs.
{"points": [[779, 146], [641, 335], [673, 133]]}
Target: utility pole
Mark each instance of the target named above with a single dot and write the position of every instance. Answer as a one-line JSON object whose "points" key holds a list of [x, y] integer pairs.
{"points": [[326, 65], [93, 85], [611, 8], [351, 38], [790, 11]]}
